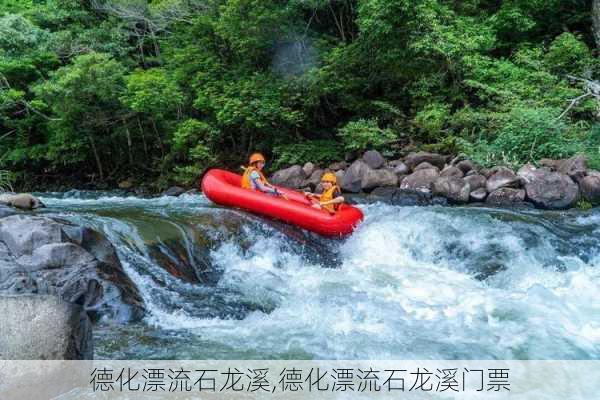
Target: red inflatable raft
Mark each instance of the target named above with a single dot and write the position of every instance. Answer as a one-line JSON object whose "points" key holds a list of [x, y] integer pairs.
{"points": [[224, 188]]}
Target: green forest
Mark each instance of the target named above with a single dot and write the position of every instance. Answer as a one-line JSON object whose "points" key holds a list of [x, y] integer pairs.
{"points": [[97, 91]]}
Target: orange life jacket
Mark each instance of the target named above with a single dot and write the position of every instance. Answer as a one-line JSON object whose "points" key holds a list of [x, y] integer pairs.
{"points": [[246, 183], [327, 196]]}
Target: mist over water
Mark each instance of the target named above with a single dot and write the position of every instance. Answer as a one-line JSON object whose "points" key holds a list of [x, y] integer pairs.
{"points": [[410, 283]]}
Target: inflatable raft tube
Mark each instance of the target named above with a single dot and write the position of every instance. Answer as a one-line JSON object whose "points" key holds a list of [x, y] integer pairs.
{"points": [[224, 188]]}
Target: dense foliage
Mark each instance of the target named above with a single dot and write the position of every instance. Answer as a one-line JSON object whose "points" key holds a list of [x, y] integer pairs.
{"points": [[159, 90]]}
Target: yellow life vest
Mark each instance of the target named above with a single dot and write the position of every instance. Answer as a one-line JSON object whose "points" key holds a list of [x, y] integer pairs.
{"points": [[327, 196], [246, 183]]}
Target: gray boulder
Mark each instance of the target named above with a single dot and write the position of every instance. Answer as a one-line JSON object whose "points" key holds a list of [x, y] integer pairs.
{"points": [[174, 191], [44, 256], [414, 159], [378, 177], [308, 168], [551, 190], [575, 167], [590, 188], [314, 179], [527, 172], [454, 188], [34, 327], [466, 165], [506, 196], [426, 165], [405, 197], [291, 177], [399, 167], [352, 180], [374, 159], [5, 211], [502, 177], [336, 166], [478, 195], [476, 181], [23, 201], [420, 180], [452, 171]]}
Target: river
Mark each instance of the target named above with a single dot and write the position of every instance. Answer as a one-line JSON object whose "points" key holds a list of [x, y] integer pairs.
{"points": [[410, 283]]}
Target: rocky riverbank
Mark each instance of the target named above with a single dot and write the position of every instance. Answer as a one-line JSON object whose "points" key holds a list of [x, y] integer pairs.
{"points": [[427, 178]]}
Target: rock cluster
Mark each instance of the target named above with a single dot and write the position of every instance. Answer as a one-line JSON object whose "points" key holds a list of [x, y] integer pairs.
{"points": [[426, 178]]}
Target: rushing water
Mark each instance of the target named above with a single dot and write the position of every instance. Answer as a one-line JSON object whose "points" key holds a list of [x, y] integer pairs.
{"points": [[410, 283]]}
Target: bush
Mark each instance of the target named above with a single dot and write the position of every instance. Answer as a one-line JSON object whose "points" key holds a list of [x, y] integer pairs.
{"points": [[316, 151], [431, 120], [192, 143], [364, 134], [568, 55]]}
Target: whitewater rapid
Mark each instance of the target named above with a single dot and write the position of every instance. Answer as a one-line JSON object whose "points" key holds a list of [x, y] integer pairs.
{"points": [[410, 283]]}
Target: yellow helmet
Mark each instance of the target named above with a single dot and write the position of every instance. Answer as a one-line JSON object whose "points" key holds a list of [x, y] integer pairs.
{"points": [[329, 177], [256, 157]]}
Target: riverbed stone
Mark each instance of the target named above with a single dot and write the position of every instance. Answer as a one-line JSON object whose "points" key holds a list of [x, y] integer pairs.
{"points": [[420, 180], [46, 256], [352, 179], [314, 179], [506, 196], [378, 177], [478, 195], [426, 165], [575, 167], [454, 188], [466, 165], [291, 177], [405, 197], [174, 191], [35, 327], [551, 190], [452, 171], [308, 168], [590, 188], [374, 159], [336, 166], [476, 181], [502, 177], [399, 167], [414, 159], [23, 201]]}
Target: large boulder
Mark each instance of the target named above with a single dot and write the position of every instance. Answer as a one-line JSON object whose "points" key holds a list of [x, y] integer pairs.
{"points": [[420, 180], [425, 165], [45, 256], [575, 167], [478, 195], [378, 177], [476, 181], [590, 188], [5, 211], [399, 167], [453, 188], [336, 166], [405, 197], [23, 201], [352, 180], [34, 327], [414, 159], [466, 165], [374, 159], [506, 196], [308, 168], [502, 177], [452, 171], [550, 190], [314, 179], [291, 177]]}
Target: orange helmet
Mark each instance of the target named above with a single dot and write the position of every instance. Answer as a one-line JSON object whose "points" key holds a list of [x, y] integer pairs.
{"points": [[329, 177], [256, 157]]}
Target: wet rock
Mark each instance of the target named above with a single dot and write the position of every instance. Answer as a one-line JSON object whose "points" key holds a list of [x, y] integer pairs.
{"points": [[476, 181], [373, 159], [34, 327], [527, 172], [126, 184], [336, 166], [291, 177], [352, 179], [45, 256], [414, 159], [478, 195], [466, 165], [308, 168], [590, 188], [551, 190], [174, 191], [420, 180], [405, 197], [454, 188], [23, 201], [549, 163], [378, 177], [5, 211], [399, 167], [502, 177], [314, 179], [452, 171], [506, 196], [575, 167]]}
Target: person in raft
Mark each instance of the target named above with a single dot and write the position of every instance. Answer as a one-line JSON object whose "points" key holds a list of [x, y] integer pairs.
{"points": [[254, 179], [331, 198]]}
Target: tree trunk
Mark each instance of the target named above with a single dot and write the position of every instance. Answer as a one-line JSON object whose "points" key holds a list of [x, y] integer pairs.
{"points": [[596, 21], [96, 156], [129, 143]]}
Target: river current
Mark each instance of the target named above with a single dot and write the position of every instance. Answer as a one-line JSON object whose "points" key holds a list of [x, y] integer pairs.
{"points": [[410, 283]]}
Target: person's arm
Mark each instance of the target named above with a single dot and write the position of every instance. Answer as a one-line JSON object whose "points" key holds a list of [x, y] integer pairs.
{"points": [[337, 200], [264, 188]]}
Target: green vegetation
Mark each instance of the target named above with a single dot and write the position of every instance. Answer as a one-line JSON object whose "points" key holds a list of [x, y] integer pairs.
{"points": [[159, 90]]}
